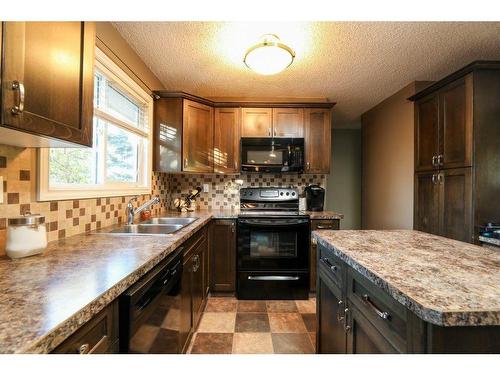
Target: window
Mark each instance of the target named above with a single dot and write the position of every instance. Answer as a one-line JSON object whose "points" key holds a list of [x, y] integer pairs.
{"points": [[120, 161]]}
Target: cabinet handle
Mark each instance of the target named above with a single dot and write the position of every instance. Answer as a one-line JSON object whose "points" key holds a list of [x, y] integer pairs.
{"points": [[308, 165], [327, 262], [314, 241], [433, 179], [440, 160], [382, 314], [269, 131], [434, 161], [84, 349], [440, 178], [233, 229], [323, 227], [340, 317], [347, 327], [19, 107], [275, 132]]}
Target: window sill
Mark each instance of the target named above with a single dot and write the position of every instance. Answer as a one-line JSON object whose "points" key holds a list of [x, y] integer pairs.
{"points": [[56, 195]]}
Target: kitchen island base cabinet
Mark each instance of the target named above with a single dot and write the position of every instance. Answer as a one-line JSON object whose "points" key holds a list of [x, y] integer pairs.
{"points": [[370, 321], [319, 224]]}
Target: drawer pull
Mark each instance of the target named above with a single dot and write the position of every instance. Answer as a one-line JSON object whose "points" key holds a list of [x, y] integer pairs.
{"points": [[84, 349], [327, 262], [382, 314], [340, 317], [323, 227]]}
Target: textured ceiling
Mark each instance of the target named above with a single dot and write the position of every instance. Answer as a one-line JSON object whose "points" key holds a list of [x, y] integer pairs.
{"points": [[356, 64]]}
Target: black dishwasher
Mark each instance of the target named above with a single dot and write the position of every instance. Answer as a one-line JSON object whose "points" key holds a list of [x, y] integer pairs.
{"points": [[150, 310]]}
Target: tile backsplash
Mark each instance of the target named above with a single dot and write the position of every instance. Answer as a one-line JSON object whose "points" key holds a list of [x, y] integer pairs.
{"points": [[65, 218]]}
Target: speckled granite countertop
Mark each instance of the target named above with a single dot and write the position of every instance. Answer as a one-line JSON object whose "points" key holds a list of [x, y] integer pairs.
{"points": [[445, 282], [315, 215]]}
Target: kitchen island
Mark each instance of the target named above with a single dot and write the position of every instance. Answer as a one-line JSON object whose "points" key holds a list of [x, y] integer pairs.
{"points": [[406, 291]]}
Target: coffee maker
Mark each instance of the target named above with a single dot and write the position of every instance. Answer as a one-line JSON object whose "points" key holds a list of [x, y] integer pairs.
{"points": [[315, 197]]}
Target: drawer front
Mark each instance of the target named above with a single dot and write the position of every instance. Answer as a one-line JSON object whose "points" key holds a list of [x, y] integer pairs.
{"points": [[97, 336], [384, 313], [324, 224], [332, 266]]}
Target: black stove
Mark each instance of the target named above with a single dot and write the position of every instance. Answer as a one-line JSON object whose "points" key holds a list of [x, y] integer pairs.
{"points": [[273, 245], [490, 230]]}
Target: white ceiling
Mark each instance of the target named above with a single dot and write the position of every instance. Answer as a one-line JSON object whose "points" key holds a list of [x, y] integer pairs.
{"points": [[356, 64]]}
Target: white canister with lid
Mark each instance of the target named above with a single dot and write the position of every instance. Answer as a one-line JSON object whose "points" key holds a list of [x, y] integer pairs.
{"points": [[26, 235]]}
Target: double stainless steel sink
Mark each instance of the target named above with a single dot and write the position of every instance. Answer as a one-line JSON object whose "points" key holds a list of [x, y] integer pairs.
{"points": [[152, 227]]}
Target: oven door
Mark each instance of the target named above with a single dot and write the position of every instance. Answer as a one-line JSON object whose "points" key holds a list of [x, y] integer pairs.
{"points": [[273, 244]]}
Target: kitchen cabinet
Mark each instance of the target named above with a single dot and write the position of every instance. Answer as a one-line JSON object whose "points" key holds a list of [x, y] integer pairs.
{"points": [[319, 224], [317, 140], [256, 122], [227, 140], [457, 157], [47, 84], [223, 256], [97, 336], [288, 122], [197, 138], [183, 135], [194, 288]]}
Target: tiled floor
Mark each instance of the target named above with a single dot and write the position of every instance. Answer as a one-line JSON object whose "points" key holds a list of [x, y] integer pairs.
{"points": [[256, 327]]}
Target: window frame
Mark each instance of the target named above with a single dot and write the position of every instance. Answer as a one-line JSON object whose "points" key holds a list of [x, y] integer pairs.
{"points": [[45, 193]]}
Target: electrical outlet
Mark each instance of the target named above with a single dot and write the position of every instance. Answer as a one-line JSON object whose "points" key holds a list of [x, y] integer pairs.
{"points": [[206, 188], [1, 189]]}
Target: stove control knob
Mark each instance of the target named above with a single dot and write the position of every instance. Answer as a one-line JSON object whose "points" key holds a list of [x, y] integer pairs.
{"points": [[293, 194], [287, 193], [281, 193]]}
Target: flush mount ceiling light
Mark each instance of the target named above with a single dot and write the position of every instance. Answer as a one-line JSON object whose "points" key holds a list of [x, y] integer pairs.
{"points": [[269, 56]]}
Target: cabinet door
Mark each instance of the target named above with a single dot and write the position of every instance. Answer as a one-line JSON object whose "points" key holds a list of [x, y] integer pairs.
{"points": [[186, 308], [167, 135], [426, 206], [331, 337], [455, 131], [363, 337], [197, 137], [426, 134], [288, 122], [455, 213], [256, 122], [223, 265], [197, 281], [227, 140], [47, 82], [317, 140]]}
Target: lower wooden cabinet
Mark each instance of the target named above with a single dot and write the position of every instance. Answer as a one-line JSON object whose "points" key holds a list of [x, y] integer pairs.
{"points": [[193, 285], [443, 203], [97, 336], [319, 224], [223, 256]]}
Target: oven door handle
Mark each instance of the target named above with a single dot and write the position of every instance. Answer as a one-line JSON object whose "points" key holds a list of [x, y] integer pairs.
{"points": [[273, 223], [274, 278]]}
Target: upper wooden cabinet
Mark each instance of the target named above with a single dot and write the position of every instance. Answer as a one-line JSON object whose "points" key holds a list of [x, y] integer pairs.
{"points": [[197, 139], [183, 136], [443, 127], [288, 122], [47, 83], [256, 122], [317, 140], [227, 140]]}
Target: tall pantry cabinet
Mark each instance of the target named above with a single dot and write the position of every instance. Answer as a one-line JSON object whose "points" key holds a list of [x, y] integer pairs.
{"points": [[457, 153]]}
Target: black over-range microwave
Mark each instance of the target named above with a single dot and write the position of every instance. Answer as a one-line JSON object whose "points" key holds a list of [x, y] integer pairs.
{"points": [[272, 155]]}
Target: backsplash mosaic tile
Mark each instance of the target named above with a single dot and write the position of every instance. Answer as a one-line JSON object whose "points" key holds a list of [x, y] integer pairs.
{"points": [[224, 191], [64, 218]]}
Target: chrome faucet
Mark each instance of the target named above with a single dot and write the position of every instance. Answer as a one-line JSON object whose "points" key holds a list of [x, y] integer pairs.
{"points": [[131, 212]]}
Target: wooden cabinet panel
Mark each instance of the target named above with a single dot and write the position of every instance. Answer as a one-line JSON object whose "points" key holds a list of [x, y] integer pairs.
{"points": [[331, 337], [97, 336], [426, 206], [198, 281], [317, 140], [288, 122], [364, 338], [455, 130], [167, 135], [426, 134], [256, 122], [319, 224], [197, 137], [455, 211], [227, 140], [186, 315], [48, 70], [223, 256]]}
